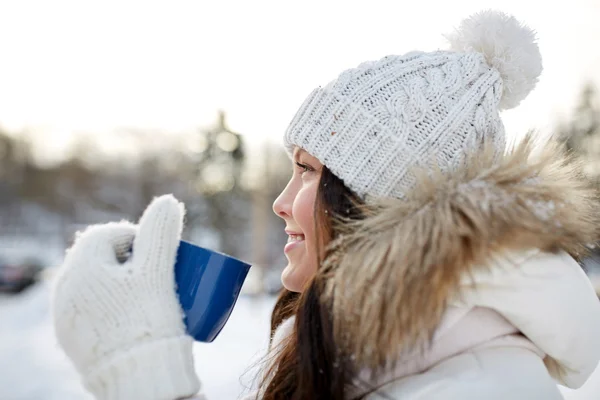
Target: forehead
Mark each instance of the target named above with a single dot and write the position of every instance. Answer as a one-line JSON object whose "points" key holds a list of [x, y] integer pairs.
{"points": [[301, 155], [299, 151]]}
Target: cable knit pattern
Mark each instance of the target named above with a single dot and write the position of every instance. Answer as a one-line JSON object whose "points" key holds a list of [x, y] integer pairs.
{"points": [[117, 316], [374, 123]]}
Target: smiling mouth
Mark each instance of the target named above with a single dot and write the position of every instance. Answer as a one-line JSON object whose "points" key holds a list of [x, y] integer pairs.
{"points": [[295, 238], [293, 241]]}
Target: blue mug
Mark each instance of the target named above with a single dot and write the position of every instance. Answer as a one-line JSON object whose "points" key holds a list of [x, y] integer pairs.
{"points": [[208, 286]]}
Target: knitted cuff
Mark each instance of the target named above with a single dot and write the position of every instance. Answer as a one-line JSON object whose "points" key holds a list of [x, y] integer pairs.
{"points": [[161, 369]]}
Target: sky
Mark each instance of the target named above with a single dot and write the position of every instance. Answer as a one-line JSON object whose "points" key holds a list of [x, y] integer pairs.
{"points": [[72, 68]]}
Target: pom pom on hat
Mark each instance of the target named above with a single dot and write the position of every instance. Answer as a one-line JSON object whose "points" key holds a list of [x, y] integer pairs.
{"points": [[508, 46]]}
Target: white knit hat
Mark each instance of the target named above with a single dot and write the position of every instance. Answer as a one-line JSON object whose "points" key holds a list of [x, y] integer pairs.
{"points": [[375, 122]]}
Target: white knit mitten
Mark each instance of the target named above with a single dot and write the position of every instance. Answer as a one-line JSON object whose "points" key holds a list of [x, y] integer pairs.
{"points": [[120, 321]]}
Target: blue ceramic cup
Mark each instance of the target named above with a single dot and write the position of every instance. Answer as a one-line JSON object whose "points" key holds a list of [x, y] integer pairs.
{"points": [[208, 286]]}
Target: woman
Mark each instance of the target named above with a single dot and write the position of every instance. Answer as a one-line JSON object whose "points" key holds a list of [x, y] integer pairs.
{"points": [[425, 261]]}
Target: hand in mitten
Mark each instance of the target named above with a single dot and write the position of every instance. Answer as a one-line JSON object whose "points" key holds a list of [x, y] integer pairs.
{"points": [[117, 318]]}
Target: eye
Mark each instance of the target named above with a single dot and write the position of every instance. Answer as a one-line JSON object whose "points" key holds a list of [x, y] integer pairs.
{"points": [[303, 168]]}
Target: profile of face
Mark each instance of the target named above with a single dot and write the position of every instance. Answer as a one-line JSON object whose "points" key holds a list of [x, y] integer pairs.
{"points": [[296, 206]]}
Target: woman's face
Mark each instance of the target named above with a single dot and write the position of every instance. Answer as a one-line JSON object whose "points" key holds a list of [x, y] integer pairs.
{"points": [[296, 206]]}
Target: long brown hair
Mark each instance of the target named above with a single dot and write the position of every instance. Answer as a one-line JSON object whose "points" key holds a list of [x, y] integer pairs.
{"points": [[309, 365]]}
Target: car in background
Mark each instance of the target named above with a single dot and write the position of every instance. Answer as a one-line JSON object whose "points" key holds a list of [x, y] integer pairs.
{"points": [[18, 276]]}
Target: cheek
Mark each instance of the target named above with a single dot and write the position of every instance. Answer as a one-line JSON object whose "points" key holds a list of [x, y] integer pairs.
{"points": [[303, 211], [302, 262]]}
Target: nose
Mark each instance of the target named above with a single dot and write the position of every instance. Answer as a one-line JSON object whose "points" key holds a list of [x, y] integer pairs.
{"points": [[282, 206]]}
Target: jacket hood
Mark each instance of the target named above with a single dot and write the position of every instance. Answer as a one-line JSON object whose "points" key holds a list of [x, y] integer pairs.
{"points": [[390, 276]]}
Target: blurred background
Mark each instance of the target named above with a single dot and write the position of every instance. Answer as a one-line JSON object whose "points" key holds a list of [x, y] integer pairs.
{"points": [[104, 105]]}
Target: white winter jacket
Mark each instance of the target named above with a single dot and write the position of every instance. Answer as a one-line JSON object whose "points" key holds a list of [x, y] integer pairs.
{"points": [[555, 318]]}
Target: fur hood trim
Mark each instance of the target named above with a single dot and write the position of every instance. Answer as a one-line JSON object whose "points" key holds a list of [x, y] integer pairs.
{"points": [[390, 276]]}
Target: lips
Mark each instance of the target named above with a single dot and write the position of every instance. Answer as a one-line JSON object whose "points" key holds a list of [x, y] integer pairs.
{"points": [[295, 239]]}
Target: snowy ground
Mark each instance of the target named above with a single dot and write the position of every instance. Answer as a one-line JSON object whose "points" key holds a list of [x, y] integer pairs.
{"points": [[33, 368]]}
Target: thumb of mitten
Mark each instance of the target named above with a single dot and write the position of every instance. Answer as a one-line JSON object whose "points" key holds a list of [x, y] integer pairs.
{"points": [[159, 232]]}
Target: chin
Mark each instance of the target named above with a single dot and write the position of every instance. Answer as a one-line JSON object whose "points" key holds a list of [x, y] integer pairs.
{"points": [[290, 279]]}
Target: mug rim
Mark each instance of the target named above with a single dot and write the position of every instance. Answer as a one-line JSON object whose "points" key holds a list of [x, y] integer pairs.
{"points": [[216, 252]]}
